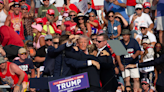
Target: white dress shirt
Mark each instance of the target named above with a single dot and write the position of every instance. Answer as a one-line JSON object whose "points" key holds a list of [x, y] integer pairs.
{"points": [[99, 50]]}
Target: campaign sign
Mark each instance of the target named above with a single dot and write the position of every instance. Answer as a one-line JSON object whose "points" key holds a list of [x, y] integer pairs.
{"points": [[83, 6], [69, 84]]}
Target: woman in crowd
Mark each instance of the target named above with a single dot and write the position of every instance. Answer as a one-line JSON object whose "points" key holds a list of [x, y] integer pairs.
{"points": [[83, 25], [67, 6], [114, 27], [3, 12], [121, 19], [39, 38], [94, 23], [158, 49]]}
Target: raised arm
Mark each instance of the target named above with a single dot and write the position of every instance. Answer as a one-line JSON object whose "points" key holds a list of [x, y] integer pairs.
{"points": [[15, 69], [120, 4], [6, 5], [32, 10], [102, 16], [7, 22], [123, 20]]}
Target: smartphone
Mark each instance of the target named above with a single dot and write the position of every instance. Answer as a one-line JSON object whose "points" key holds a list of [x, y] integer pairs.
{"points": [[135, 13], [65, 2], [67, 18]]}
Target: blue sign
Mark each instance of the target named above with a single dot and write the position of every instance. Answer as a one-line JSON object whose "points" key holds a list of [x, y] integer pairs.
{"points": [[69, 84]]}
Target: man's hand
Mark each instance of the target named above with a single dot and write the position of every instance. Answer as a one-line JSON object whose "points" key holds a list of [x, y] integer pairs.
{"points": [[64, 5], [134, 17], [116, 2], [104, 53], [133, 56], [102, 9], [95, 63], [32, 89], [71, 37], [121, 67], [131, 66], [16, 89]]}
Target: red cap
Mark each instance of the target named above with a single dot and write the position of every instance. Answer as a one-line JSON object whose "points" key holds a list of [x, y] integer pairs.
{"points": [[79, 32], [1, 2], [11, 1], [50, 11], [58, 31], [147, 5], [39, 20]]}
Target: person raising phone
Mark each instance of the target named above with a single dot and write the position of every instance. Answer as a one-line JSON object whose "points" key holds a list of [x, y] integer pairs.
{"points": [[138, 18]]}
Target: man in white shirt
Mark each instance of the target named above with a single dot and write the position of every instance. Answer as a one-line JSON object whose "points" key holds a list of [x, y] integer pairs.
{"points": [[144, 31], [138, 18]]}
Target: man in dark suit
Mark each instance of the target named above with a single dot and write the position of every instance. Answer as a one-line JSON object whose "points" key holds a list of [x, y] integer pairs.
{"points": [[107, 74]]}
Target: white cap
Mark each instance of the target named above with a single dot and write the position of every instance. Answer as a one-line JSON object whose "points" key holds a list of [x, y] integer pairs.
{"points": [[138, 6], [144, 25], [146, 41]]}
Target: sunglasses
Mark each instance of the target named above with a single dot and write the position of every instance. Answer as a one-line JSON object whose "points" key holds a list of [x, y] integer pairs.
{"points": [[51, 14], [138, 9], [143, 83], [158, 47], [56, 43], [23, 53], [142, 28], [99, 41], [93, 39], [110, 16], [91, 16], [48, 40], [16, 6], [24, 9], [45, 0], [81, 19], [72, 15]]}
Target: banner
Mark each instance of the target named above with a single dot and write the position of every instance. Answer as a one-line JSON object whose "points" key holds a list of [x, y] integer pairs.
{"points": [[92, 1], [69, 84], [83, 6]]}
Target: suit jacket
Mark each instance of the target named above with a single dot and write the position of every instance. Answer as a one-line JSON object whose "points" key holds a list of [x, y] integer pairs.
{"points": [[157, 61], [66, 66], [50, 58], [107, 73], [93, 73]]}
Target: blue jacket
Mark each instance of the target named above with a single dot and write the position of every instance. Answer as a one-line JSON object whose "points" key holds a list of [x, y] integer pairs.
{"points": [[50, 58], [65, 66]]}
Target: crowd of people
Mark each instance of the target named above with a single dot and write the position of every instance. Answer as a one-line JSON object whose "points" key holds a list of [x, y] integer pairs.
{"points": [[37, 44]]}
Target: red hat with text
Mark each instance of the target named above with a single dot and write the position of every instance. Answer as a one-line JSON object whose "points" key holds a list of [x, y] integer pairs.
{"points": [[147, 5], [39, 20], [50, 12]]}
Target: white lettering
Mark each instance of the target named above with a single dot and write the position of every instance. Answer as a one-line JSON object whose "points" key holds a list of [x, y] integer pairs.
{"points": [[78, 81], [58, 85], [73, 83], [68, 84], [63, 85]]}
